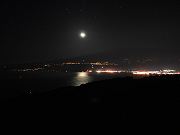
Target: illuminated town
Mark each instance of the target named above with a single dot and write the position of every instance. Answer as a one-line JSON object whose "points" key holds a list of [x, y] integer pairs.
{"points": [[141, 72], [92, 67]]}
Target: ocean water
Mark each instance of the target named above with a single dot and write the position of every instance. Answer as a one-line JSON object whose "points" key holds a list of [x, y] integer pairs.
{"points": [[14, 83]]}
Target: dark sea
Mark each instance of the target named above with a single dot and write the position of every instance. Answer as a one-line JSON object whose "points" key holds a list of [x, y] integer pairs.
{"points": [[16, 83]]}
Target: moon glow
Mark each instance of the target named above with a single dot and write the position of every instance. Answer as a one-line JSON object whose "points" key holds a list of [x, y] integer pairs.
{"points": [[82, 34]]}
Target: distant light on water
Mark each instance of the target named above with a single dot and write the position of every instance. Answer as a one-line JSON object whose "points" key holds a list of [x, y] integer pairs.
{"points": [[81, 78], [82, 74]]}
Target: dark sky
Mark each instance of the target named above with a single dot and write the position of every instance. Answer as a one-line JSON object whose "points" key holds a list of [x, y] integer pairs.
{"points": [[46, 30]]}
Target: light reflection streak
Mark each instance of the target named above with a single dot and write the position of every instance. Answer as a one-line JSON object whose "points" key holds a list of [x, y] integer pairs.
{"points": [[81, 78]]}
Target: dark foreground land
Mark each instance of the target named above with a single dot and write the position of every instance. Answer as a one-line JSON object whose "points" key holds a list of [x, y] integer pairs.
{"points": [[126, 105]]}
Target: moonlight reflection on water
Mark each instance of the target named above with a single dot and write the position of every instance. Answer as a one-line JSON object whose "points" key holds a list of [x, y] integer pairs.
{"points": [[81, 78]]}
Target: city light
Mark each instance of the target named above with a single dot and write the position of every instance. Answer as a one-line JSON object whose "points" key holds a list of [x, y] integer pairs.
{"points": [[93, 67], [145, 72], [90, 63], [142, 72], [161, 72], [108, 71]]}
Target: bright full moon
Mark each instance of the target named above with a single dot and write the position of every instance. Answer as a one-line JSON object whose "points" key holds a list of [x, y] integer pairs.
{"points": [[82, 34]]}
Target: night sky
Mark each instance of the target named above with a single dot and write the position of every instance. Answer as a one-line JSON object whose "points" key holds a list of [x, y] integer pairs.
{"points": [[45, 30]]}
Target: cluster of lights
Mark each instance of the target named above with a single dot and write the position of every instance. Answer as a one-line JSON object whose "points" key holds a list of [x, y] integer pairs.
{"points": [[26, 70], [71, 63], [145, 72], [108, 71], [161, 72], [103, 64], [91, 63]]}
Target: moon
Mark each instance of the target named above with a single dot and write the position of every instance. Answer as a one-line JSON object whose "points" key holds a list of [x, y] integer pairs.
{"points": [[82, 34]]}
